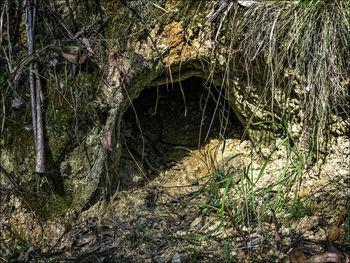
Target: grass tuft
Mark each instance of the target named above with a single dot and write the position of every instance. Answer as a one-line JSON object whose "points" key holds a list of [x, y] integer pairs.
{"points": [[304, 46]]}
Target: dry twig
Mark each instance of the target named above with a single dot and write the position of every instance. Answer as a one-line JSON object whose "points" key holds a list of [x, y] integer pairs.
{"points": [[35, 86]]}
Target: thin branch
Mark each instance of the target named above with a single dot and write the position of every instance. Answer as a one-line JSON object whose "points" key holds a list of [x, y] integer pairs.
{"points": [[11, 179], [40, 147], [36, 96], [218, 9], [8, 30], [32, 100], [28, 19], [2, 22]]}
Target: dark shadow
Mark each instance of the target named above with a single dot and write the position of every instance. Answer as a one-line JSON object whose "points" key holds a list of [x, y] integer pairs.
{"points": [[163, 126]]}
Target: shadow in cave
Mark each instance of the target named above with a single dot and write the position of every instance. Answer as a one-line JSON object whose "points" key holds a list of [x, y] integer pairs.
{"points": [[165, 123]]}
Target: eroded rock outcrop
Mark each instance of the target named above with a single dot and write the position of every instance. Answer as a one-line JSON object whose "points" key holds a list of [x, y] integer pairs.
{"points": [[151, 45]]}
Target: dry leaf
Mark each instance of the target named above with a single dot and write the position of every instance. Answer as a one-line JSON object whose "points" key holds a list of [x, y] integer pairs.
{"points": [[113, 57], [296, 256], [326, 257], [247, 3], [87, 45], [347, 81], [107, 140], [17, 103], [342, 213], [74, 55], [333, 233], [277, 239]]}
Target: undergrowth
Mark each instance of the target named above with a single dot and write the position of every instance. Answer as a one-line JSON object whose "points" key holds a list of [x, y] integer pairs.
{"points": [[244, 202], [21, 250], [299, 50], [299, 47]]}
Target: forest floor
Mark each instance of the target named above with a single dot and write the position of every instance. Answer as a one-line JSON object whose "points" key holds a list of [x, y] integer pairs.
{"points": [[183, 201]]}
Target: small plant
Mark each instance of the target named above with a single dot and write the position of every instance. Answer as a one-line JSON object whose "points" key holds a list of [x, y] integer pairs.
{"points": [[240, 202], [194, 253], [20, 250], [227, 250], [3, 77], [299, 209]]}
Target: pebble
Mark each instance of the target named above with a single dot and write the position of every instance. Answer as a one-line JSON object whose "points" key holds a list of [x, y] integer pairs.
{"points": [[17, 103]]}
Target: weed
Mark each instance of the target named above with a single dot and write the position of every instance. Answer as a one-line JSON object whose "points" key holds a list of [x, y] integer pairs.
{"points": [[242, 200], [194, 253], [299, 209], [19, 249]]}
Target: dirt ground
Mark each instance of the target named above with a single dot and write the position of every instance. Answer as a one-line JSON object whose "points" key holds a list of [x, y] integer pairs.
{"points": [[165, 172]]}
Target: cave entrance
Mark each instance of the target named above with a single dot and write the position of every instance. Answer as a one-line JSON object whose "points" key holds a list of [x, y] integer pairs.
{"points": [[166, 123]]}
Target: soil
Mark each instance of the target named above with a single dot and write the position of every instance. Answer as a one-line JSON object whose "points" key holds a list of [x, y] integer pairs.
{"points": [[166, 171]]}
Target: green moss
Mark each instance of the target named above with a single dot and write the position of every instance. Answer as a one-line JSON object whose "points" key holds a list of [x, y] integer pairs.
{"points": [[75, 97], [20, 143], [50, 195], [47, 205], [67, 105]]}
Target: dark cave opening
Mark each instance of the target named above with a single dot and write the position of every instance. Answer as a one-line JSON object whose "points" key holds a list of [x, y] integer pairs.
{"points": [[165, 122]]}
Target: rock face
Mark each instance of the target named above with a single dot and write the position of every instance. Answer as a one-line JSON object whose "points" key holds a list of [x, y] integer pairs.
{"points": [[154, 44]]}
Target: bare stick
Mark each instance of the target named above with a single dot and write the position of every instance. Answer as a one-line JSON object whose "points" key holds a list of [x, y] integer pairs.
{"points": [[11, 180], [32, 100], [2, 21], [221, 6], [28, 19], [40, 147], [35, 87]]}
